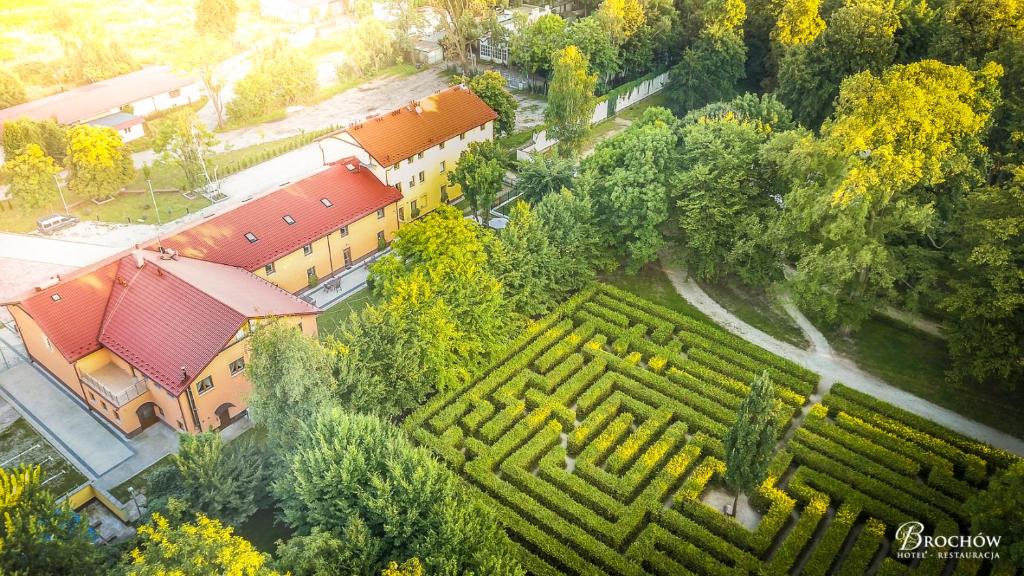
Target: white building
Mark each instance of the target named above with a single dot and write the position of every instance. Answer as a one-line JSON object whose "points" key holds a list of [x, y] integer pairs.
{"points": [[415, 147], [496, 50]]}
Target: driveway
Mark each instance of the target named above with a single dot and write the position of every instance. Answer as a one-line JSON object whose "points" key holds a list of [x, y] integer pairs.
{"points": [[51, 411]]}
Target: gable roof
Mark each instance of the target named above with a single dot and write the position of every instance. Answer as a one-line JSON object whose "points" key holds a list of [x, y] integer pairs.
{"points": [[170, 314], [91, 100], [394, 136], [352, 190], [72, 322]]}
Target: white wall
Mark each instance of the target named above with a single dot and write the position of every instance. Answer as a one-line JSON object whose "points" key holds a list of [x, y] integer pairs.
{"points": [[186, 95], [541, 142]]}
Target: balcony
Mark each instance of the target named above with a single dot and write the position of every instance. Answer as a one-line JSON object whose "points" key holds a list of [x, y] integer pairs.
{"points": [[115, 385]]}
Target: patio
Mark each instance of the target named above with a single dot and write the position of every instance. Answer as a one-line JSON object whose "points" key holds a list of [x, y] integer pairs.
{"points": [[342, 284]]}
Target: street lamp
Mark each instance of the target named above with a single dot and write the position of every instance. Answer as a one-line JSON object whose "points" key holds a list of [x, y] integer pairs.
{"points": [[61, 192], [131, 492]]}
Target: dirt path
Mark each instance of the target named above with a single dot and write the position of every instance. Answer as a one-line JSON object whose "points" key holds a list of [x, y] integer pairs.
{"points": [[833, 368]]}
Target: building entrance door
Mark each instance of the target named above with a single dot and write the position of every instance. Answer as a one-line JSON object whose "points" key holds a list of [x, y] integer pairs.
{"points": [[147, 414]]}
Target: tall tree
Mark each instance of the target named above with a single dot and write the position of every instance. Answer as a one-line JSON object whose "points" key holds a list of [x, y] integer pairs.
{"points": [[39, 535], [542, 175], [181, 139], [46, 134], [463, 23], [598, 45], [354, 473], [204, 56], [31, 177], [368, 48], [218, 480], [492, 88], [291, 380], [723, 207], [874, 179], [570, 226], [799, 23], [479, 174], [198, 548], [90, 54], [99, 164], [750, 442], [628, 177], [714, 63], [217, 18], [532, 47], [860, 37], [280, 76], [570, 100], [986, 338], [999, 510], [12, 91], [528, 264]]}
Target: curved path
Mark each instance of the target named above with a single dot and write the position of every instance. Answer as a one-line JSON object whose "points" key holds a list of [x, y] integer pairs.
{"points": [[821, 359]]}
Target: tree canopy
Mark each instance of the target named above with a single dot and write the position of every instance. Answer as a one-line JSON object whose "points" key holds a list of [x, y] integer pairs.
{"points": [[98, 162], [570, 99]]}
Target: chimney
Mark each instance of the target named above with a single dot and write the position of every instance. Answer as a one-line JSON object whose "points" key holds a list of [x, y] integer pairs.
{"points": [[139, 260], [184, 374]]}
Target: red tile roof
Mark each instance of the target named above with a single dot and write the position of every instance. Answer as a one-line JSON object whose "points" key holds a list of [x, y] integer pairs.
{"points": [[165, 315], [72, 323], [171, 314], [352, 193], [394, 136], [88, 101]]}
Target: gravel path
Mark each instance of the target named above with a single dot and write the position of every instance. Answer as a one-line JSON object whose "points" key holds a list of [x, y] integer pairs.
{"points": [[833, 368]]}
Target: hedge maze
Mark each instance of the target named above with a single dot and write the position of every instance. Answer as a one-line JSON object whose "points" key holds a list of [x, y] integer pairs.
{"points": [[596, 438]]}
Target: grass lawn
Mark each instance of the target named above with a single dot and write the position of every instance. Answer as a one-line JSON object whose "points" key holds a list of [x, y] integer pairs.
{"points": [[634, 112], [916, 362], [651, 283], [335, 317], [757, 308], [21, 444], [141, 480]]}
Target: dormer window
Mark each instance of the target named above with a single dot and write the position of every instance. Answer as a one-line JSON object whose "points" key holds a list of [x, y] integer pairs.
{"points": [[250, 237], [326, 202], [289, 219], [55, 297]]}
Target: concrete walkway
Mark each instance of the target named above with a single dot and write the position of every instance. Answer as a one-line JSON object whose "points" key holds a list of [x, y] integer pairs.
{"points": [[833, 368], [63, 421]]}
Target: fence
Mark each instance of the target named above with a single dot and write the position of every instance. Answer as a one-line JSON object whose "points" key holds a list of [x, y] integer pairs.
{"points": [[614, 102]]}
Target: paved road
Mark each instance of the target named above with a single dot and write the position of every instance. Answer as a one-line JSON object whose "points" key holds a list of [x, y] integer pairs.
{"points": [[833, 368]]}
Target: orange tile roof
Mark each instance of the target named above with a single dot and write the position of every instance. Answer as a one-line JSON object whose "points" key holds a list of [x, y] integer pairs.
{"points": [[394, 136]]}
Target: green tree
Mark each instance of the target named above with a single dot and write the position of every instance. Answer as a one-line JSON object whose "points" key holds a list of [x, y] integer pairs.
{"points": [[99, 164], [349, 470], [986, 336], [31, 177], [38, 535], [198, 548], [527, 267], [542, 175], [620, 19], [90, 54], [12, 91], [182, 139], [355, 550], [463, 23], [597, 45], [216, 18], [570, 100], [570, 225], [710, 67], [628, 177], [532, 47], [765, 110], [479, 174], [750, 441], [799, 23], [368, 49], [291, 380], [46, 134], [218, 480], [492, 88], [280, 76], [970, 32], [874, 178], [723, 208], [998, 510], [859, 37]]}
